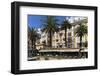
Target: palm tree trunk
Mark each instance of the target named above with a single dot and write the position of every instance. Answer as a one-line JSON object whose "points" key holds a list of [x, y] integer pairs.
{"points": [[50, 39], [32, 48], [80, 43], [32, 44], [65, 37], [80, 55]]}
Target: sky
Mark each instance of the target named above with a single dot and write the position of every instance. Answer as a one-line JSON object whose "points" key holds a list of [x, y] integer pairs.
{"points": [[36, 20]]}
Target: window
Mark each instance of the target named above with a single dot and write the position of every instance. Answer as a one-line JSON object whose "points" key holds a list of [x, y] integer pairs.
{"points": [[56, 40], [69, 34], [63, 39], [69, 40]]}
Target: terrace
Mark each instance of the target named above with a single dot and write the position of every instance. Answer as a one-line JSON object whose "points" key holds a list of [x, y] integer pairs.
{"points": [[58, 54]]}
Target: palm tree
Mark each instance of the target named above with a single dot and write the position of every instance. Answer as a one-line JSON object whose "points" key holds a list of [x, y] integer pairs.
{"points": [[80, 31], [66, 25], [29, 35], [50, 25], [32, 35]]}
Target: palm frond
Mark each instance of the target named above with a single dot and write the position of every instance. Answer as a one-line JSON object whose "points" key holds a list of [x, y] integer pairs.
{"points": [[66, 24], [81, 30]]}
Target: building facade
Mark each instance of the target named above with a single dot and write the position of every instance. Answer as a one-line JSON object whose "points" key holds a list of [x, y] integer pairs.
{"points": [[58, 38]]}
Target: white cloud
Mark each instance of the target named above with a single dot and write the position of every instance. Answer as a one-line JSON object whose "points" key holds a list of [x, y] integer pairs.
{"points": [[39, 30]]}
